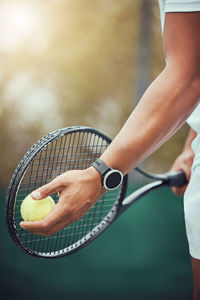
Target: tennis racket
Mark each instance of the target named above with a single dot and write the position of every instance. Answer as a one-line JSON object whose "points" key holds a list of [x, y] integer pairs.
{"points": [[60, 151]]}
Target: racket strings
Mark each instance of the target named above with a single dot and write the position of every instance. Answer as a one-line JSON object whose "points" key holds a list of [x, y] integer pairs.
{"points": [[74, 151]]}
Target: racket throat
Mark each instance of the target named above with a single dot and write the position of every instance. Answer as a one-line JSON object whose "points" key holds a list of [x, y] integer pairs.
{"points": [[132, 198]]}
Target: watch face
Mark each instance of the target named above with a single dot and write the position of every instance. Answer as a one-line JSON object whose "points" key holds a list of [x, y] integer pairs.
{"points": [[113, 179]]}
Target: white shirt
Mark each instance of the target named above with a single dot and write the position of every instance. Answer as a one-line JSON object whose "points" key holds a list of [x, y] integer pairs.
{"points": [[182, 6]]}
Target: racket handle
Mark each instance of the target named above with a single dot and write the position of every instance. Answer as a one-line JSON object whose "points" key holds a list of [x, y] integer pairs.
{"points": [[177, 178]]}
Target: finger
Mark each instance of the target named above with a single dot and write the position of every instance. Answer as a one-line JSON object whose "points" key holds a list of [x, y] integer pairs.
{"points": [[55, 221], [56, 216], [64, 222], [48, 231], [48, 189], [73, 217], [183, 168], [56, 228], [179, 191]]}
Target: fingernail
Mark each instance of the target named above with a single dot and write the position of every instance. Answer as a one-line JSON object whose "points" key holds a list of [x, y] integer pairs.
{"points": [[36, 195]]}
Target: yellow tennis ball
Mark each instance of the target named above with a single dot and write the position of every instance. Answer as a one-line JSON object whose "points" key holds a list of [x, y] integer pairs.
{"points": [[34, 210]]}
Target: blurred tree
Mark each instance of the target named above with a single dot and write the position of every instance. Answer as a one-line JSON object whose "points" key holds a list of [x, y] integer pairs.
{"points": [[144, 73], [74, 67], [67, 63]]}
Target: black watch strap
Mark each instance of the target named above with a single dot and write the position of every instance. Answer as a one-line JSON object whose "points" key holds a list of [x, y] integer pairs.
{"points": [[111, 178], [100, 166]]}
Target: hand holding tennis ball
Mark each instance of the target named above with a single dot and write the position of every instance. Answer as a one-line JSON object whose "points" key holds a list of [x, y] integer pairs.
{"points": [[78, 190], [35, 210]]}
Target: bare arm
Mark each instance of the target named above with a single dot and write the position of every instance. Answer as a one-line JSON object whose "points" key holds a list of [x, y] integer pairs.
{"points": [[168, 101], [162, 110]]}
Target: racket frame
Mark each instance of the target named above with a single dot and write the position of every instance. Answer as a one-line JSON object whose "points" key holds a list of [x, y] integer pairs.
{"points": [[121, 204], [18, 177]]}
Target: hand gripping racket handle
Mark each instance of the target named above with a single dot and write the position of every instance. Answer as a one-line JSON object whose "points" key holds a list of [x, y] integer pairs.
{"points": [[177, 178]]}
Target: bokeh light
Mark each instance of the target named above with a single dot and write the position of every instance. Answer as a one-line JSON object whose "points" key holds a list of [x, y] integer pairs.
{"points": [[66, 63], [19, 22]]}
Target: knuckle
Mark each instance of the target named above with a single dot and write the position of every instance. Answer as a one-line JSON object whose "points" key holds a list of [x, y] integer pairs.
{"points": [[46, 226], [61, 180], [44, 191]]}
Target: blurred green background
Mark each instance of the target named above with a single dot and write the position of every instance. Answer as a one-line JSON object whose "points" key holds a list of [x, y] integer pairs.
{"points": [[87, 62], [143, 255]]}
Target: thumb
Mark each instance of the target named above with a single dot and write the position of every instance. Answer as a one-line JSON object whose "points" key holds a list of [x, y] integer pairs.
{"points": [[48, 189]]}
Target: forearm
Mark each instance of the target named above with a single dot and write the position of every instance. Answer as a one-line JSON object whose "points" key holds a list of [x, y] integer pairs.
{"points": [[162, 110]]}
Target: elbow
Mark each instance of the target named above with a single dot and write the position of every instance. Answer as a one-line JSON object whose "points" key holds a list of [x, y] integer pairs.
{"points": [[194, 85], [191, 72]]}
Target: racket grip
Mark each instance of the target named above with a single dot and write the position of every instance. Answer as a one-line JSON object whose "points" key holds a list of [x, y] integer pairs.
{"points": [[177, 178]]}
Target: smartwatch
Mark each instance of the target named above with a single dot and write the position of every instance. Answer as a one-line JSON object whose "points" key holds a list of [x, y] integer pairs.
{"points": [[111, 178]]}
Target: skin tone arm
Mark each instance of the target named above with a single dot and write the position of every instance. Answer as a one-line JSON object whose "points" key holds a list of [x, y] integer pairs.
{"points": [[162, 110]]}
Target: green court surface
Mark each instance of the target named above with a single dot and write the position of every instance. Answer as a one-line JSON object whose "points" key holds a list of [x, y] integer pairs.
{"points": [[143, 255]]}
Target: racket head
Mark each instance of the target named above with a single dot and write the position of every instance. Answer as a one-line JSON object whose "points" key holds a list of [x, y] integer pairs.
{"points": [[65, 149]]}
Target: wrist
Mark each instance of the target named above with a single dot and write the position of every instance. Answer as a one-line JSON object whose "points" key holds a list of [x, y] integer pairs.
{"points": [[110, 178], [188, 143], [94, 176], [187, 151]]}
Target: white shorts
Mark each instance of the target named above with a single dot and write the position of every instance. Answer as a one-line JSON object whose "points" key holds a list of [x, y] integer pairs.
{"points": [[192, 204]]}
